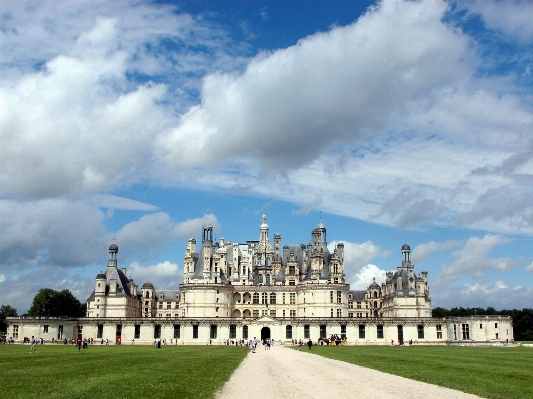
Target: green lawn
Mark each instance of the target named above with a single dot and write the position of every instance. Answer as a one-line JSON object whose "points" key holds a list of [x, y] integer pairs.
{"points": [[491, 372], [60, 371]]}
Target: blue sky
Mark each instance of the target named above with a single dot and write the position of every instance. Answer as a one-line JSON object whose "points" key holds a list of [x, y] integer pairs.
{"points": [[392, 122]]}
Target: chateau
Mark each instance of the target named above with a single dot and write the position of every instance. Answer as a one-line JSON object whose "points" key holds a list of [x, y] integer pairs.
{"points": [[234, 291]]}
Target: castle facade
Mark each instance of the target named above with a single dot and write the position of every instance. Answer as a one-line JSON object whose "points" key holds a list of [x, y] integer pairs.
{"points": [[233, 291]]}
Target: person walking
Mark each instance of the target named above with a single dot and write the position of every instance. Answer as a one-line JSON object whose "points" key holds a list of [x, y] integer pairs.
{"points": [[309, 343], [78, 344], [32, 348]]}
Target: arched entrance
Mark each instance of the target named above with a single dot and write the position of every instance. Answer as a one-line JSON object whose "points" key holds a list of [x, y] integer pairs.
{"points": [[265, 333]]}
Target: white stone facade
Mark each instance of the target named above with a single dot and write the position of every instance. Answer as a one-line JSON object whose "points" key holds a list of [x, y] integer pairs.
{"points": [[259, 289]]}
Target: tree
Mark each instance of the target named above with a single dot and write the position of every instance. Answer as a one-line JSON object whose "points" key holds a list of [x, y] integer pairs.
{"points": [[6, 311], [51, 303]]}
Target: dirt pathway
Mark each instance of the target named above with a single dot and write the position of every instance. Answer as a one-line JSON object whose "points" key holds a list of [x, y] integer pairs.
{"points": [[285, 373]]}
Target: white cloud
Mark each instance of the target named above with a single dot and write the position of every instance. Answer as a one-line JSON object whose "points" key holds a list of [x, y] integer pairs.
{"points": [[49, 232], [512, 17], [357, 268], [421, 251], [529, 268], [2, 278], [164, 275], [366, 275], [310, 95], [154, 230], [498, 295], [473, 259]]}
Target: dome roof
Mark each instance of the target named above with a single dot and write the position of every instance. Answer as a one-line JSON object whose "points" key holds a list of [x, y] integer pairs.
{"points": [[321, 226], [406, 247], [113, 248], [148, 286], [101, 276]]}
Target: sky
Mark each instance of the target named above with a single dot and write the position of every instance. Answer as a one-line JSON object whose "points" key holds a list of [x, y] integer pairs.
{"points": [[392, 122]]}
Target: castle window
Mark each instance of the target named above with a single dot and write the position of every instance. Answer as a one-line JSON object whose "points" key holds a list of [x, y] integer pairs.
{"points": [[244, 332], [264, 298], [291, 282], [350, 314], [15, 331], [292, 313], [343, 331], [256, 298], [195, 332], [288, 332], [339, 297], [292, 298], [264, 312], [331, 296], [260, 279], [177, 331], [331, 313], [157, 331], [292, 270], [60, 332], [169, 305], [147, 294], [283, 298], [350, 305], [273, 298], [323, 331], [465, 331], [233, 331], [439, 331], [495, 325], [335, 280], [99, 331], [45, 328], [256, 312], [339, 312], [137, 334], [380, 331], [420, 332], [361, 331], [213, 332], [268, 279], [358, 305], [272, 312], [307, 333], [160, 305]]}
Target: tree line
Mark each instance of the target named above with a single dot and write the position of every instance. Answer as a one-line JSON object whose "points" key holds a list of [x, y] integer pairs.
{"points": [[522, 319], [47, 303]]}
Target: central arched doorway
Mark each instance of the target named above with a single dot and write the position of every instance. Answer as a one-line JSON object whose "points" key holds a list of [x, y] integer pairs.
{"points": [[265, 333]]}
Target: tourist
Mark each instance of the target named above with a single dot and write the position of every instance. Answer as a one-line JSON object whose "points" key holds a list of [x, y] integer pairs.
{"points": [[32, 348], [78, 344], [309, 343]]}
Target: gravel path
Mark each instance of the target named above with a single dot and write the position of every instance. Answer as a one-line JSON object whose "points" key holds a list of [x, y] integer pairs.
{"points": [[286, 373]]}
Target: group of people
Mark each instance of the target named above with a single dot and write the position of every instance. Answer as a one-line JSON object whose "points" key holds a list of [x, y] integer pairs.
{"points": [[401, 342], [6, 340]]}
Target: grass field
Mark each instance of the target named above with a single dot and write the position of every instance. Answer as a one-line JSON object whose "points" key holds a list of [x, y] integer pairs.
{"points": [[490, 372], [60, 371]]}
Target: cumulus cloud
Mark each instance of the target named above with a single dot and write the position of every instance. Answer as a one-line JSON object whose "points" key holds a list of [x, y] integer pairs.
{"points": [[529, 268], [357, 258], [421, 251], [498, 295], [473, 259], [366, 275], [49, 232], [511, 17], [154, 230], [310, 95], [164, 275]]}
